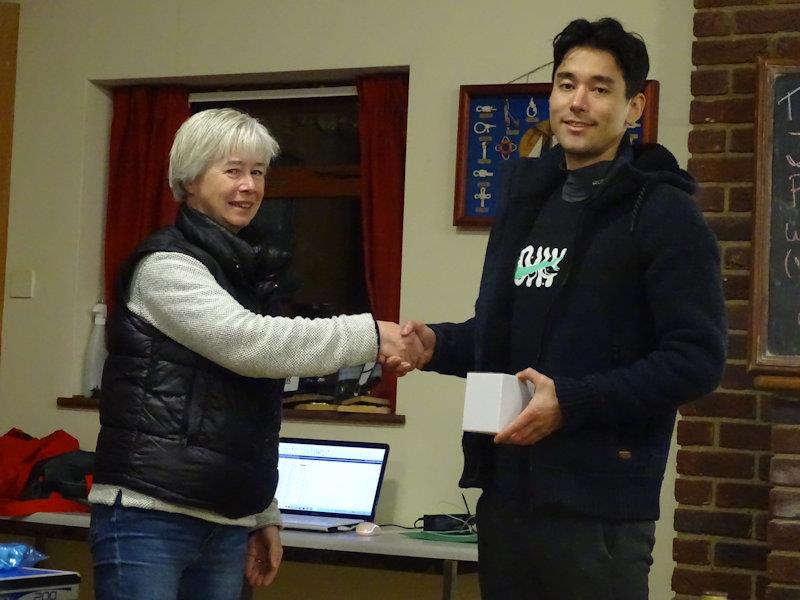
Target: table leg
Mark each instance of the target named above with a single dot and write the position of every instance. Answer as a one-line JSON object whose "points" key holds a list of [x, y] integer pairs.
{"points": [[449, 575]]}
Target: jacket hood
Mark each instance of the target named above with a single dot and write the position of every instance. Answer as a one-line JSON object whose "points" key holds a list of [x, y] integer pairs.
{"points": [[656, 164], [635, 172], [637, 168]]}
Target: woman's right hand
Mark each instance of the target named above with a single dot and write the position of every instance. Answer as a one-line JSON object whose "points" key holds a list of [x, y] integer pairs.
{"points": [[426, 336], [399, 353]]}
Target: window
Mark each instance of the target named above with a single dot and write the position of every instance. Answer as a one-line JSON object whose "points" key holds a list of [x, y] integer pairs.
{"points": [[313, 208], [312, 205]]}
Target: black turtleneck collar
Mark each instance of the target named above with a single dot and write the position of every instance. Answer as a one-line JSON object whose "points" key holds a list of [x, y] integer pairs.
{"points": [[581, 183]]}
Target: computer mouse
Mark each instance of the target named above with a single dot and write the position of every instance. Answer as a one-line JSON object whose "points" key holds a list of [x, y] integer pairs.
{"points": [[367, 528]]}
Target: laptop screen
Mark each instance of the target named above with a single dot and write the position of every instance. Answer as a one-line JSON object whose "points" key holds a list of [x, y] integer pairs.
{"points": [[330, 478]]}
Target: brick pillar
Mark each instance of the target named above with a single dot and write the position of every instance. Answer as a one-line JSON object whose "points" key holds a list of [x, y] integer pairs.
{"points": [[726, 439], [783, 563]]}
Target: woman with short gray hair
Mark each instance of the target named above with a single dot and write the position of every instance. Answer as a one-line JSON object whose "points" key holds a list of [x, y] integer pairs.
{"points": [[186, 462]]}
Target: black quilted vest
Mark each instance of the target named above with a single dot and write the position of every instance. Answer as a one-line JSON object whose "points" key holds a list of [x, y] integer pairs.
{"points": [[175, 425]]}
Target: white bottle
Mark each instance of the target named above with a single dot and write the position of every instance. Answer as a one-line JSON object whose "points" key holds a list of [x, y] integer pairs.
{"points": [[95, 353]]}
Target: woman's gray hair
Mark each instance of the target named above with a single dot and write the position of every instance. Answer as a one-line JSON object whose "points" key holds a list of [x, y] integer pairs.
{"points": [[213, 134]]}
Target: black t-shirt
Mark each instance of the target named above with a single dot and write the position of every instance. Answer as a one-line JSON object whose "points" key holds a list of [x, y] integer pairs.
{"points": [[541, 268]]}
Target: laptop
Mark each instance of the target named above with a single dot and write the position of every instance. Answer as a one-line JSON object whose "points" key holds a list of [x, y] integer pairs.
{"points": [[326, 485]]}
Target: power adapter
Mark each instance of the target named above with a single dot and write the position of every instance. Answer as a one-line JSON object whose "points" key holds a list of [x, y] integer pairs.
{"points": [[456, 522]]}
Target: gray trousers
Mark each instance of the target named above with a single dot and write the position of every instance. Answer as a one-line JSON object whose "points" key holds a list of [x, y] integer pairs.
{"points": [[543, 554]]}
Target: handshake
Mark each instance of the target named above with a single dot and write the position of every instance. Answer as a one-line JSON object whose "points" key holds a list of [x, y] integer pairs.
{"points": [[403, 349]]}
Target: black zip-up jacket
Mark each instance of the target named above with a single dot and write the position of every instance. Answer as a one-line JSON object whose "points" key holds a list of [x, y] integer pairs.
{"points": [[175, 425], [636, 329]]}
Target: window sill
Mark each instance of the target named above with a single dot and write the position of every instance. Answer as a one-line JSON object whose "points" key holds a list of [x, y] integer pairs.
{"points": [[328, 416], [80, 402], [332, 416]]}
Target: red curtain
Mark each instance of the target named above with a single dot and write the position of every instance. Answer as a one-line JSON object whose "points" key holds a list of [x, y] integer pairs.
{"points": [[382, 115], [139, 198]]}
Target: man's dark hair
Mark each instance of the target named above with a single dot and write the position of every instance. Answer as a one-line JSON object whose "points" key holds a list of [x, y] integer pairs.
{"points": [[607, 34]]}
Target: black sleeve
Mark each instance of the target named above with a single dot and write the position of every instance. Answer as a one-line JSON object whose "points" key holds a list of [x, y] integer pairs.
{"points": [[455, 348], [684, 290]]}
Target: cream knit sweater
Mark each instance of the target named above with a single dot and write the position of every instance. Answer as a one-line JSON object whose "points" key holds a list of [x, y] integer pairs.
{"points": [[178, 296]]}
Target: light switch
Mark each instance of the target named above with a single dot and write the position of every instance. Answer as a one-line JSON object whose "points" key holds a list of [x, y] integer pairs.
{"points": [[21, 284]]}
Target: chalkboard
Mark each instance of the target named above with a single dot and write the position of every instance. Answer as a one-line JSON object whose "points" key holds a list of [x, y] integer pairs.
{"points": [[775, 302]]}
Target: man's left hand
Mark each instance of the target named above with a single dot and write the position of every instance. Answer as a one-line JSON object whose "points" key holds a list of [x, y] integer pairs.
{"points": [[264, 554], [540, 418]]}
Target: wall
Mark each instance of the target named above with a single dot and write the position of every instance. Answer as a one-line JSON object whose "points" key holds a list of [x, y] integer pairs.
{"points": [[9, 27], [735, 533], [57, 179]]}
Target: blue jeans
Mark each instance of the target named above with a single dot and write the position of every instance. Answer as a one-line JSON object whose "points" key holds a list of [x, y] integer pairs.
{"points": [[153, 555]]}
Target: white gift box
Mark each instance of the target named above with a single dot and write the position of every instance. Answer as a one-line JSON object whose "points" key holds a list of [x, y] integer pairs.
{"points": [[493, 400]]}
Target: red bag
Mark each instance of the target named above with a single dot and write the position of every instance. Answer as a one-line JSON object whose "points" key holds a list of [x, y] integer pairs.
{"points": [[19, 452]]}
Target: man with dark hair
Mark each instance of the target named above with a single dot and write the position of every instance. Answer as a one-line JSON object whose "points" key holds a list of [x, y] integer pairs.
{"points": [[628, 49], [601, 286]]}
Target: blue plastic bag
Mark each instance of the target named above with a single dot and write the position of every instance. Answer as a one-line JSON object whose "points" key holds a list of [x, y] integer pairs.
{"points": [[17, 555]]}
